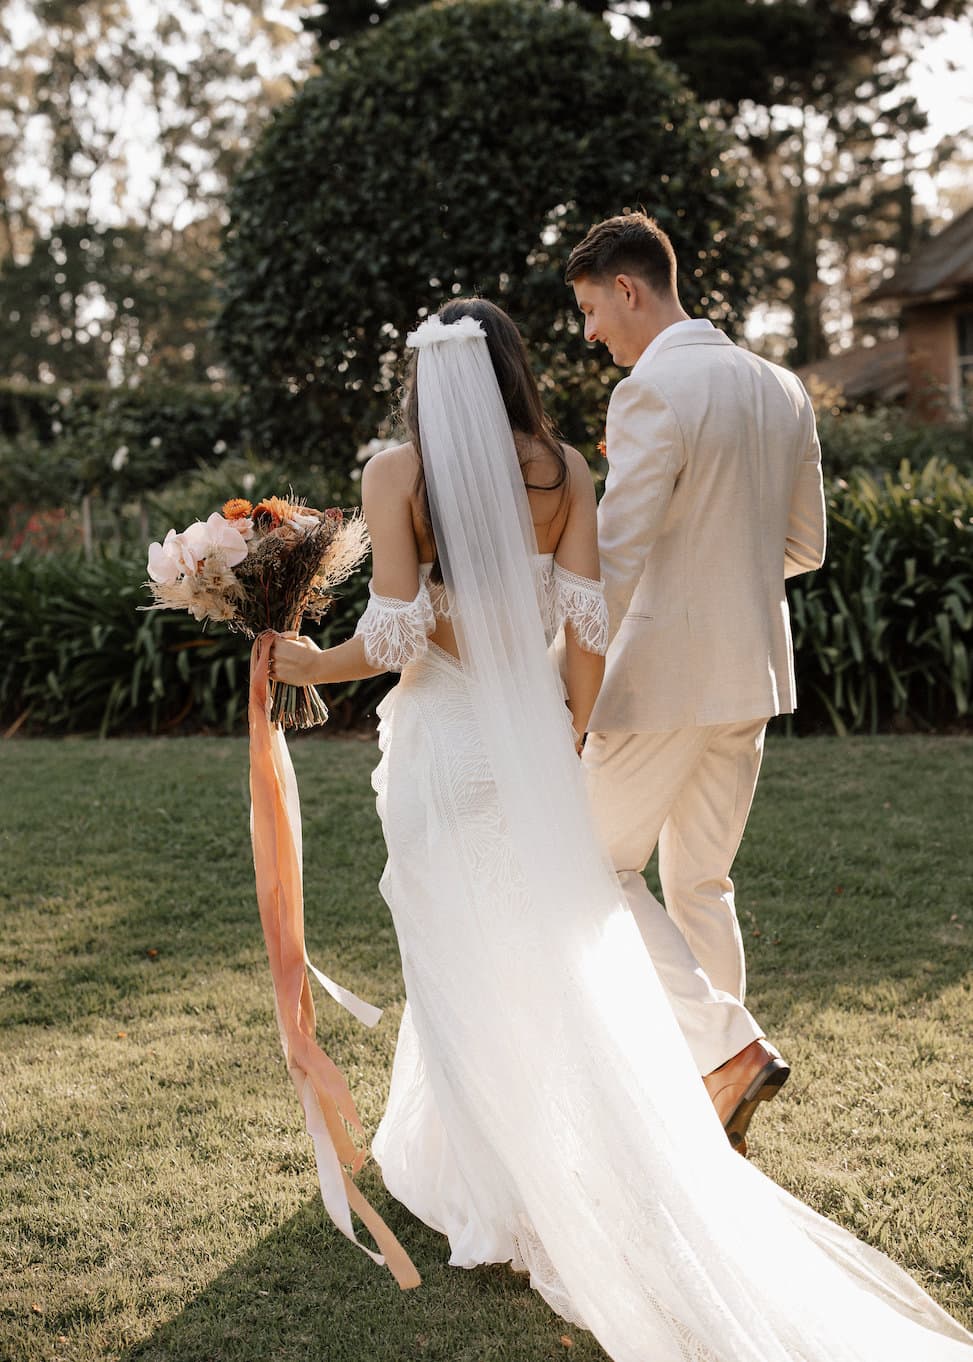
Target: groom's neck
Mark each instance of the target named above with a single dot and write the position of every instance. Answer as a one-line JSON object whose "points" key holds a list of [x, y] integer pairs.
{"points": [[661, 313]]}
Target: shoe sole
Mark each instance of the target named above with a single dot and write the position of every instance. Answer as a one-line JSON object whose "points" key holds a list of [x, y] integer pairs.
{"points": [[764, 1087]]}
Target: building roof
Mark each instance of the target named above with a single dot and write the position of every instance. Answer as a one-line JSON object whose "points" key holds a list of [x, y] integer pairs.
{"points": [[876, 372], [939, 268]]}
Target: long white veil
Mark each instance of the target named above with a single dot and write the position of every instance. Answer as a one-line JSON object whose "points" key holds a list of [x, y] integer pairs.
{"points": [[667, 1244]]}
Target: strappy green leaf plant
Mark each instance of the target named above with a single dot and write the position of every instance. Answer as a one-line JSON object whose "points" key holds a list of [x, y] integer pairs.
{"points": [[883, 632], [77, 655]]}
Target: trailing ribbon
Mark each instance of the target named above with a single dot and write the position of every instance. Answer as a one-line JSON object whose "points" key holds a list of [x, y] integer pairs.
{"points": [[275, 826]]}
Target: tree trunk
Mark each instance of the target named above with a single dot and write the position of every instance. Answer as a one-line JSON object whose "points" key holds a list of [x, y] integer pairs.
{"points": [[905, 235], [87, 538], [808, 339]]}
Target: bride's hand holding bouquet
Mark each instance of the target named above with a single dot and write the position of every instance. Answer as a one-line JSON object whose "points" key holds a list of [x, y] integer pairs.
{"points": [[295, 661]]}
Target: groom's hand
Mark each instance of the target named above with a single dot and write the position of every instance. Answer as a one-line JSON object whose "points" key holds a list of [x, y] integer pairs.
{"points": [[576, 737]]}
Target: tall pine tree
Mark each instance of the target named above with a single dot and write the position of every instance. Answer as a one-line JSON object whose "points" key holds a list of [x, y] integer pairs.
{"points": [[816, 92]]}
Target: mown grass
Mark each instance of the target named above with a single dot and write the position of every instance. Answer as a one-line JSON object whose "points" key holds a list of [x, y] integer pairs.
{"points": [[157, 1192]]}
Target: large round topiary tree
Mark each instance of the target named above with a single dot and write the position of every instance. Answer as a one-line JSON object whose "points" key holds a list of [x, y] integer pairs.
{"points": [[464, 147]]}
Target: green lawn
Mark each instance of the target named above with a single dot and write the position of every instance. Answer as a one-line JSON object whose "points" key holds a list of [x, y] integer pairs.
{"points": [[157, 1190]]}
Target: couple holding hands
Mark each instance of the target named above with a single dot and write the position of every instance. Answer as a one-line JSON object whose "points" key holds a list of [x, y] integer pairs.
{"points": [[576, 1070]]}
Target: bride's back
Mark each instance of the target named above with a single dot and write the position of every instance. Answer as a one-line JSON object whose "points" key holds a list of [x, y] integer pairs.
{"points": [[548, 484]]}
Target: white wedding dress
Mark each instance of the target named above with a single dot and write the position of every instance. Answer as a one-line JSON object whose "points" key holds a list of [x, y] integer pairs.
{"points": [[544, 1109], [505, 1137]]}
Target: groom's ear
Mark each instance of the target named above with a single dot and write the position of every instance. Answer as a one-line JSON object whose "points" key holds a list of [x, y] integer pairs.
{"points": [[629, 288]]}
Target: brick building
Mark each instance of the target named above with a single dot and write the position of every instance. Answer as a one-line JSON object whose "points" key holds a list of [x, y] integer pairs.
{"points": [[934, 290], [930, 366]]}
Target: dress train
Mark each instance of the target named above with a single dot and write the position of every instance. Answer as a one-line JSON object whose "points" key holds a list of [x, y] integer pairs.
{"points": [[544, 1110]]}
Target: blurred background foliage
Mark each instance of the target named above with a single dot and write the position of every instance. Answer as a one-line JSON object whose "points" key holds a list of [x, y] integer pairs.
{"points": [[217, 223], [883, 632]]}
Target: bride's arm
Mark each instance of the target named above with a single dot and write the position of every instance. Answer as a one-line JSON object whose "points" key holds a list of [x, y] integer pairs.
{"points": [[386, 487], [577, 556]]}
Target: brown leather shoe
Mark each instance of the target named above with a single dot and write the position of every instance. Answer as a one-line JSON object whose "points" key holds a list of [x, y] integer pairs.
{"points": [[754, 1075]]}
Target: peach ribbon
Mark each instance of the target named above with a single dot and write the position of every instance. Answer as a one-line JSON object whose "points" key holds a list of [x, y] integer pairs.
{"points": [[275, 825]]}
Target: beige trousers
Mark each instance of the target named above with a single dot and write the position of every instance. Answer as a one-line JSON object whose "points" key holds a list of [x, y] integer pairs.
{"points": [[689, 791]]}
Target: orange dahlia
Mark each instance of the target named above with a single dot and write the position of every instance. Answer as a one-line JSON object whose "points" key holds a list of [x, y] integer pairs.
{"points": [[274, 509], [237, 508]]}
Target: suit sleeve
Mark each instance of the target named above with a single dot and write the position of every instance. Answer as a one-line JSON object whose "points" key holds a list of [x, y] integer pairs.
{"points": [[806, 523], [645, 456]]}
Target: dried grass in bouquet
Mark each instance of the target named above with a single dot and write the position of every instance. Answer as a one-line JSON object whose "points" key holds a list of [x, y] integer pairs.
{"points": [[261, 567]]}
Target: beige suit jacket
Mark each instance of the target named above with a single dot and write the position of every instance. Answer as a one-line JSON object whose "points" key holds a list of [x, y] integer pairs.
{"points": [[714, 495]]}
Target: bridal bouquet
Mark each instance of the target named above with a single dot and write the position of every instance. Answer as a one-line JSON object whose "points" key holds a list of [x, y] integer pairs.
{"points": [[260, 567]]}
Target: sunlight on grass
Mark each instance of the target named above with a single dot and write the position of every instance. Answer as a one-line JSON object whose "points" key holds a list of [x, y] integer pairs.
{"points": [[158, 1191]]}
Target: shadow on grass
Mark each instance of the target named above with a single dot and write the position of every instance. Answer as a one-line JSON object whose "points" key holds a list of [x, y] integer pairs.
{"points": [[121, 938], [304, 1295]]}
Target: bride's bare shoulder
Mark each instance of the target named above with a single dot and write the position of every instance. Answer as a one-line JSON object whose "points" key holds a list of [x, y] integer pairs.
{"points": [[579, 471], [581, 486], [392, 469]]}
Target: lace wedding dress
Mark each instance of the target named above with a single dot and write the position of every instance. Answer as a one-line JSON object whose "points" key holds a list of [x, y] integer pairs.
{"points": [[544, 1110]]}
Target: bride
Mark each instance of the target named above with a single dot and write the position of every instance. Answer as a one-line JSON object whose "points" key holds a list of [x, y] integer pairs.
{"points": [[544, 1108]]}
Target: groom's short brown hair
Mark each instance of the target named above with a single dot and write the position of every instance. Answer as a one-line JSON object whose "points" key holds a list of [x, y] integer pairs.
{"points": [[631, 243]]}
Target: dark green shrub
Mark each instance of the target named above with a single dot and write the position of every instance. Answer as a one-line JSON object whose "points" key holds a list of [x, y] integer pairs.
{"points": [[34, 410], [33, 478], [35, 474], [76, 654], [463, 147], [882, 439], [194, 496], [116, 443], [127, 441], [883, 632]]}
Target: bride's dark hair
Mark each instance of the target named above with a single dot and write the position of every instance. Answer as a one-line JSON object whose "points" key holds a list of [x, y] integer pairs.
{"points": [[518, 388]]}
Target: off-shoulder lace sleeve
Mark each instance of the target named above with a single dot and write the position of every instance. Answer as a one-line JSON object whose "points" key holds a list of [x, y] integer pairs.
{"points": [[396, 632], [580, 602]]}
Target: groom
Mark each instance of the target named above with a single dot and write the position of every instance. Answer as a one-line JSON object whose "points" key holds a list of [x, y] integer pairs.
{"points": [[714, 496]]}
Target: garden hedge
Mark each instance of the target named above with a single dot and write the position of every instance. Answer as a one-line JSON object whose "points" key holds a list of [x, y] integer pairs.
{"points": [[58, 446], [883, 632]]}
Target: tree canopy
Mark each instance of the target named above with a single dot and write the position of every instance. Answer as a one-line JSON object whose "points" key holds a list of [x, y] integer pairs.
{"points": [[91, 302], [456, 149], [829, 135]]}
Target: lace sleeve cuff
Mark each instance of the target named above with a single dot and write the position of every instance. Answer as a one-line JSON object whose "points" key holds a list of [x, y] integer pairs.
{"points": [[580, 602], [396, 632]]}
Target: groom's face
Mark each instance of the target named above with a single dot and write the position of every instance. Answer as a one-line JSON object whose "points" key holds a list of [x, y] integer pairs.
{"points": [[611, 316]]}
